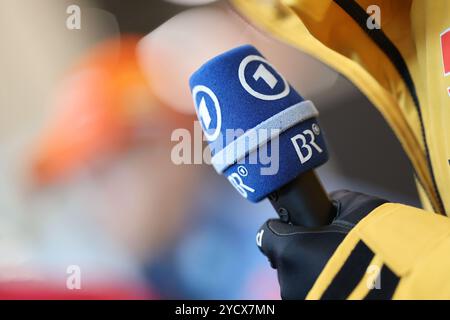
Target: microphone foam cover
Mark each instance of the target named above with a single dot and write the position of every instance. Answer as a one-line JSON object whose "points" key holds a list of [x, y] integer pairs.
{"points": [[261, 132]]}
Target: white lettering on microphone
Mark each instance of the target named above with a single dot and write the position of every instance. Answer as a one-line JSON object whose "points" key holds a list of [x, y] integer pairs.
{"points": [[236, 180], [304, 150]]}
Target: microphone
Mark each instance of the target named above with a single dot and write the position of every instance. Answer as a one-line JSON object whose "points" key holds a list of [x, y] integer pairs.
{"points": [[263, 136]]}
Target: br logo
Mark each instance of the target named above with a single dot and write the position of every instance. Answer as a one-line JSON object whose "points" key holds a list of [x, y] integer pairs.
{"points": [[259, 78], [305, 143], [208, 110], [237, 182]]}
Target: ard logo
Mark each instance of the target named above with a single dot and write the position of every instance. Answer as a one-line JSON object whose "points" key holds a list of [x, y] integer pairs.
{"points": [[259, 78], [208, 110]]}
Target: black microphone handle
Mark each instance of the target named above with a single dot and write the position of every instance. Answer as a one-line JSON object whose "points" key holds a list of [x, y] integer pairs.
{"points": [[303, 202]]}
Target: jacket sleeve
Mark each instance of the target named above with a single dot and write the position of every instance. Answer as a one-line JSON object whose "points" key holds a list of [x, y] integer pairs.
{"points": [[396, 252]]}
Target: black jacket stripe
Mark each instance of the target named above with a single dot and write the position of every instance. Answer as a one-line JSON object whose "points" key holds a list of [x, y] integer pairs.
{"points": [[350, 274]]}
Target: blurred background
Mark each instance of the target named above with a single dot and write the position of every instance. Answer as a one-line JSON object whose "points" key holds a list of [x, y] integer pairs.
{"points": [[90, 92]]}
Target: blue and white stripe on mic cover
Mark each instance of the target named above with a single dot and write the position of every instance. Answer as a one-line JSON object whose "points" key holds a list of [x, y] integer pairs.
{"points": [[261, 132]]}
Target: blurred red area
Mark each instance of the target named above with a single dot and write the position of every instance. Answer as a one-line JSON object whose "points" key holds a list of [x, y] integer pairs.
{"points": [[44, 291]]}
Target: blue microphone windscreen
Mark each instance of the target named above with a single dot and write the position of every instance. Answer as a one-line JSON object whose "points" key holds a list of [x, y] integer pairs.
{"points": [[261, 132]]}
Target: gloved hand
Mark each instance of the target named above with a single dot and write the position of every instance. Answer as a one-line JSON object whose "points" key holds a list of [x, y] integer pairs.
{"points": [[299, 254]]}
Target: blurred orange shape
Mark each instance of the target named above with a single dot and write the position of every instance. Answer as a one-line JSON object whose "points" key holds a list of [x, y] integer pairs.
{"points": [[95, 108]]}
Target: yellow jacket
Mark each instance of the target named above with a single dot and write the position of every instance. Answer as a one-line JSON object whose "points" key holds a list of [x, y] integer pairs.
{"points": [[404, 70]]}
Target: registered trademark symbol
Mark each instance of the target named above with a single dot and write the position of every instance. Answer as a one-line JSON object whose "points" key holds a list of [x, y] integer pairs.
{"points": [[243, 172], [316, 129]]}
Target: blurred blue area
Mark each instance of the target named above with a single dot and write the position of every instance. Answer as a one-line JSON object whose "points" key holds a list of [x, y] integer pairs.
{"points": [[216, 256]]}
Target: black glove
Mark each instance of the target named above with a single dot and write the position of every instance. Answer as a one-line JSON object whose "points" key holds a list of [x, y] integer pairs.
{"points": [[299, 254]]}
